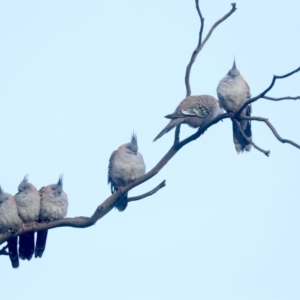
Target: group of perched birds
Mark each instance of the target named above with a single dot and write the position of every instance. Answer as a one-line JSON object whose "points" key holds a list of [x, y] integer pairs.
{"points": [[126, 164], [28, 207], [197, 111]]}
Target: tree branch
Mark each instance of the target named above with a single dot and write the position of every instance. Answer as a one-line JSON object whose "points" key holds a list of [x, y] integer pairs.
{"points": [[3, 251], [177, 134], [150, 193], [279, 138], [201, 44], [262, 94], [282, 98], [265, 152]]}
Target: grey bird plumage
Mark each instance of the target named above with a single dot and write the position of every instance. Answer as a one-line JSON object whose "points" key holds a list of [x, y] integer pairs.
{"points": [[195, 111], [28, 202], [54, 206], [233, 91], [125, 165], [9, 219]]}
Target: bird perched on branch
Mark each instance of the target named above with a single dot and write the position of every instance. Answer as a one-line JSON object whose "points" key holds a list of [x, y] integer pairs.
{"points": [[9, 219], [233, 91], [125, 165], [28, 202], [54, 206], [196, 111]]}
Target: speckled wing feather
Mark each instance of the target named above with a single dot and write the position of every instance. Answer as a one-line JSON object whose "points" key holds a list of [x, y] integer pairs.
{"points": [[110, 181], [195, 111], [199, 106]]}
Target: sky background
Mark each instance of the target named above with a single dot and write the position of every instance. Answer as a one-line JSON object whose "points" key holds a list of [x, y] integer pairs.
{"points": [[78, 76]]}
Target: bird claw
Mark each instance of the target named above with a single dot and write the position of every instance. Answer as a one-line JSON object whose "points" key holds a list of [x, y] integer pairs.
{"points": [[121, 188], [25, 225], [34, 224], [230, 114]]}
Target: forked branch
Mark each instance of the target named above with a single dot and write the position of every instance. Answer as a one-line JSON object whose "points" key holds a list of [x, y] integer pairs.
{"points": [[201, 44], [238, 124], [279, 138], [263, 94]]}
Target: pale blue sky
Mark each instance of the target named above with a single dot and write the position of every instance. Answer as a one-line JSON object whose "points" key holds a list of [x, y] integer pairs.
{"points": [[78, 76]]}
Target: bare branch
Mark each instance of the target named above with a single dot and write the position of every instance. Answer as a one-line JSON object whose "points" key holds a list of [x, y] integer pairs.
{"points": [[282, 98], [3, 251], [201, 44], [279, 138], [150, 193], [201, 130], [265, 152], [177, 134], [262, 94]]}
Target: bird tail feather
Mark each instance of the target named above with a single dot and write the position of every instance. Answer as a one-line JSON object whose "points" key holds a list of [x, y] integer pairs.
{"points": [[173, 123], [13, 252], [26, 245], [240, 142], [122, 203], [40, 243]]}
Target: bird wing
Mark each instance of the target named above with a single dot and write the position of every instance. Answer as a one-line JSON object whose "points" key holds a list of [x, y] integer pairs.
{"points": [[110, 166]]}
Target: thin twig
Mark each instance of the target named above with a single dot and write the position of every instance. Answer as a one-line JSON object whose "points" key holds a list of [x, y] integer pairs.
{"points": [[201, 130], [150, 193], [249, 140], [3, 251], [279, 138], [177, 134], [282, 98], [262, 94], [201, 44]]}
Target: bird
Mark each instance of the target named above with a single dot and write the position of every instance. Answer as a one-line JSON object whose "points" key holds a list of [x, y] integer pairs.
{"points": [[125, 165], [54, 206], [233, 91], [195, 111], [28, 203], [9, 219]]}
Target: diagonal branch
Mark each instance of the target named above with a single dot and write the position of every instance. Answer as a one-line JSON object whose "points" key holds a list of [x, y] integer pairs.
{"points": [[237, 123], [150, 193], [279, 138], [262, 94], [177, 134], [201, 130], [201, 44], [107, 205]]}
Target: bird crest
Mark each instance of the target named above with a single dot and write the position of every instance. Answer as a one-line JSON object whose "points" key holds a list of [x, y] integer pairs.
{"points": [[233, 72]]}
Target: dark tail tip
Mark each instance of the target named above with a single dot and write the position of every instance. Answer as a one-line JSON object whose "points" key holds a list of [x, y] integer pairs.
{"points": [[122, 203], [40, 243]]}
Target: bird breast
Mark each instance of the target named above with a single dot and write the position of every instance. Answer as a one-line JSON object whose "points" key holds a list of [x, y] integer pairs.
{"points": [[28, 206], [127, 168], [53, 208], [232, 95]]}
